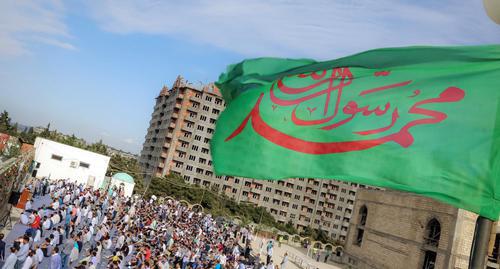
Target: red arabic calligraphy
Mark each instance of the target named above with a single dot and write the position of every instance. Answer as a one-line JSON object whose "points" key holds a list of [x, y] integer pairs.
{"points": [[343, 77]]}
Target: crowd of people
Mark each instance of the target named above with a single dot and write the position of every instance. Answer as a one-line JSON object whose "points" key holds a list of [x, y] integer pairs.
{"points": [[87, 229]]}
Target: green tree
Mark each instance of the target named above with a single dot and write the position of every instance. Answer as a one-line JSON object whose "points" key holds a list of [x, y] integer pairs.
{"points": [[46, 132], [5, 124], [28, 136], [98, 147]]}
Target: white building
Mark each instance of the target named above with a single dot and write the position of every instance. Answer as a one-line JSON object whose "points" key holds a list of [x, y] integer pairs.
{"points": [[60, 161]]}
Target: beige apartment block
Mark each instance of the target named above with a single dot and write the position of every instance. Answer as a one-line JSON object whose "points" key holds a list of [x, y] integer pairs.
{"points": [[178, 142], [393, 229]]}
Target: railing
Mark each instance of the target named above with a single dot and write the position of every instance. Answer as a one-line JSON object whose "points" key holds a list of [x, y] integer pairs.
{"points": [[301, 262]]}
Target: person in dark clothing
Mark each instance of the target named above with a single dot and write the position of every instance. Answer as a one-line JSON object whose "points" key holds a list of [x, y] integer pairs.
{"points": [[2, 247]]}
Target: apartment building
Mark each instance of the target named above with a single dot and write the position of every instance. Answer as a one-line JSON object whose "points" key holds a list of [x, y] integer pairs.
{"points": [[178, 142]]}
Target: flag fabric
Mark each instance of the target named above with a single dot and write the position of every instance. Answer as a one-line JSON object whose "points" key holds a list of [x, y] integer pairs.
{"points": [[424, 120]]}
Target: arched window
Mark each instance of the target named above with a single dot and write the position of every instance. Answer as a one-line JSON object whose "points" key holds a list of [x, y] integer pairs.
{"points": [[431, 241], [433, 232], [363, 214]]}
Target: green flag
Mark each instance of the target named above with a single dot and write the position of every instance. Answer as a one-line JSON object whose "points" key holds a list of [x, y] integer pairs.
{"points": [[417, 119]]}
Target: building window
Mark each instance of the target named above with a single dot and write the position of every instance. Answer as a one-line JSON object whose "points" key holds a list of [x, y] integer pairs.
{"points": [[202, 161], [197, 137], [213, 121], [200, 127], [204, 150], [429, 260], [194, 148], [206, 108], [207, 140], [199, 170], [208, 98], [210, 130], [215, 111], [56, 157], [203, 118], [189, 168], [218, 101], [192, 157], [84, 165], [433, 233], [363, 214]]}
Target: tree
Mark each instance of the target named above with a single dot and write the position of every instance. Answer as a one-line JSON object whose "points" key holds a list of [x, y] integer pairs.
{"points": [[46, 132], [28, 136], [5, 124], [98, 147]]}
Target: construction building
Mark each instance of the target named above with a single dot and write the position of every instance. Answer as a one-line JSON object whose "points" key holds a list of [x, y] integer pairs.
{"points": [[178, 142]]}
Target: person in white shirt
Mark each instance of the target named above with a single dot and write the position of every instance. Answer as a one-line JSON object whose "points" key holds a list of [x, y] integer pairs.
{"points": [[10, 262], [29, 260], [24, 248], [55, 204], [28, 205], [39, 254], [24, 218], [270, 265]]}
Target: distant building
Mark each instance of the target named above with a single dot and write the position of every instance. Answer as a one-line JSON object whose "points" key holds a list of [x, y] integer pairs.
{"points": [[60, 161], [392, 229], [178, 142], [112, 151]]}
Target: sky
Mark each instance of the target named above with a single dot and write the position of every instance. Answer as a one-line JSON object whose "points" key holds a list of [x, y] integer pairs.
{"points": [[93, 68]]}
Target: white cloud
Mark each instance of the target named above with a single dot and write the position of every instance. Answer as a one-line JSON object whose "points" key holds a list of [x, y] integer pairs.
{"points": [[321, 28], [26, 21], [129, 141]]}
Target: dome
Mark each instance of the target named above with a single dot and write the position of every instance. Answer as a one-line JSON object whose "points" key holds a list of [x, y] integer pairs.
{"points": [[123, 177]]}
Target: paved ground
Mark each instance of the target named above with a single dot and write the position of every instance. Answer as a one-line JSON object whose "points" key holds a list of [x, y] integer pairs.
{"points": [[19, 229], [297, 258]]}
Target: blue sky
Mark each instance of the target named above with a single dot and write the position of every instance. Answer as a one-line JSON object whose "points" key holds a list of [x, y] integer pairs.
{"points": [[93, 68]]}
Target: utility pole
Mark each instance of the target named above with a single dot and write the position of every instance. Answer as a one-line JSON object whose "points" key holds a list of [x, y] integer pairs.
{"points": [[480, 243]]}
